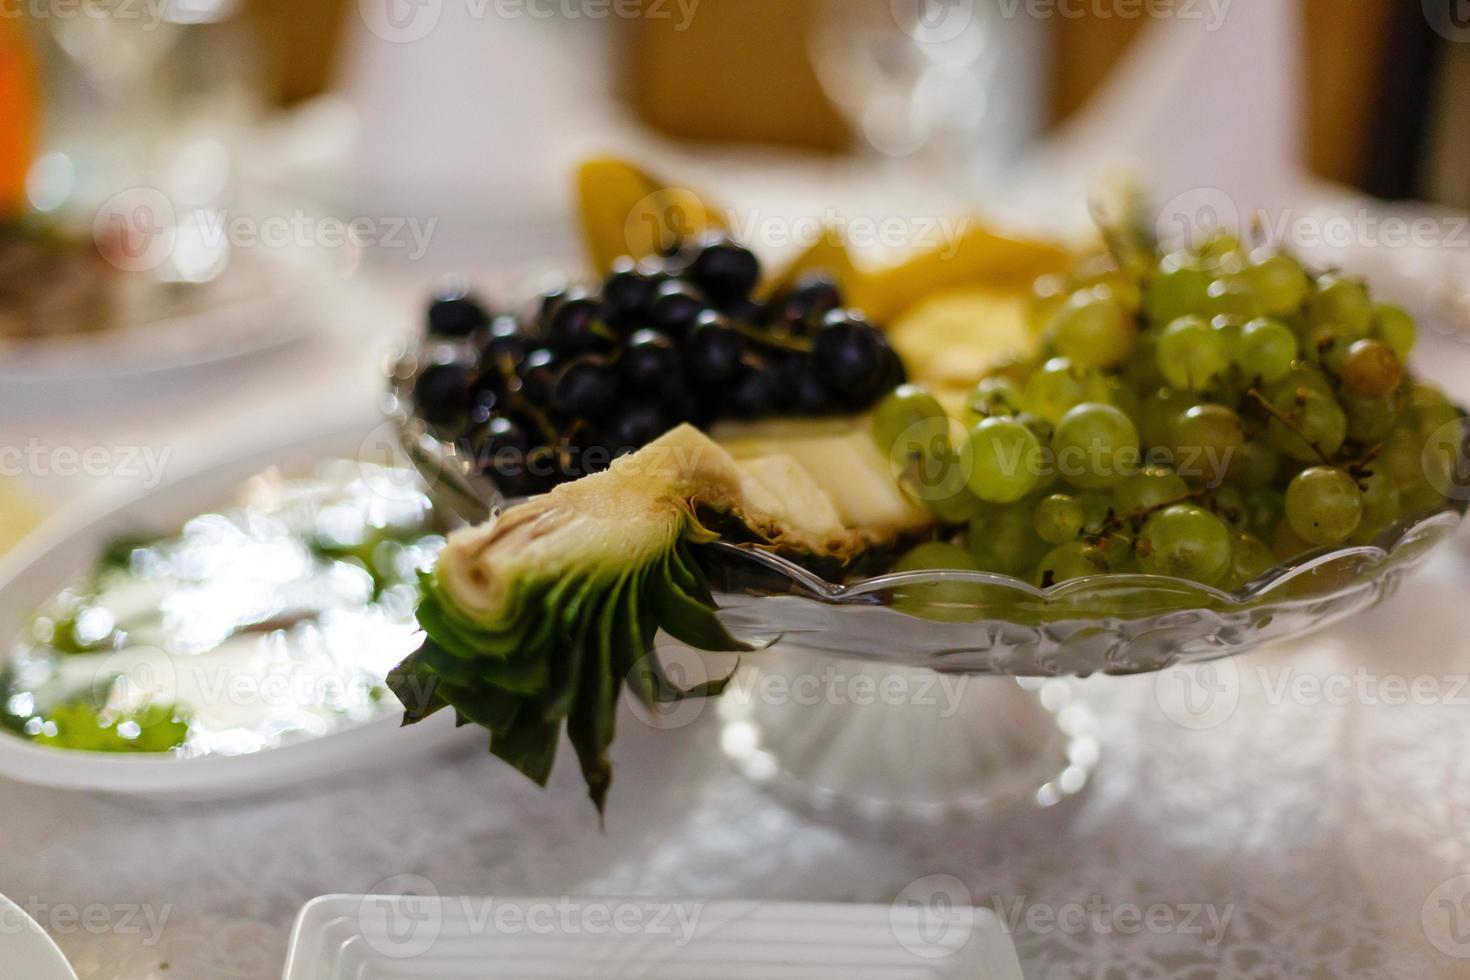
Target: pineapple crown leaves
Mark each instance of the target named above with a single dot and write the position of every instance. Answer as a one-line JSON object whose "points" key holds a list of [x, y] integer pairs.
{"points": [[558, 656]]}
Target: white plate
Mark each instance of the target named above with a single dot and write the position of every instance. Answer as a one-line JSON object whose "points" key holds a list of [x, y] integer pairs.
{"points": [[378, 937], [25, 949], [70, 541]]}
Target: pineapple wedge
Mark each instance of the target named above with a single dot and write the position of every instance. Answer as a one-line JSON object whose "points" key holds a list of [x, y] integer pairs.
{"points": [[536, 618]]}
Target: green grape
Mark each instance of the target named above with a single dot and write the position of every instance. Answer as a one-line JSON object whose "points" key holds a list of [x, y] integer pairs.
{"points": [[1430, 408], [1229, 328], [1117, 549], [1055, 387], [1342, 305], [1371, 370], [1279, 281], [1370, 420], [1095, 446], [1120, 287], [1059, 518], [1421, 498], [949, 602], [1265, 350], [1149, 488], [1326, 347], [936, 554], [1141, 371], [1286, 543], [1092, 329], [1097, 507], [1185, 541], [910, 426], [1304, 374], [953, 508], [1395, 328], [1206, 441], [1381, 502], [1228, 504], [1317, 424], [1157, 412], [1003, 539], [1048, 293], [1324, 505], [1221, 249], [1232, 296], [1263, 510], [1190, 354], [1255, 465], [1178, 287], [1075, 559], [1005, 460], [1402, 453], [1122, 396], [1249, 559], [909, 420], [996, 395]]}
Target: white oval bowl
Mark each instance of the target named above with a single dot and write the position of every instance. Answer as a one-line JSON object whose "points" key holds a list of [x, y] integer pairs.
{"points": [[68, 543]]}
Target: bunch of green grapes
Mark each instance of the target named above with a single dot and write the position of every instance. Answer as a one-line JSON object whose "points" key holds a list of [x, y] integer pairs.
{"points": [[1205, 414]]}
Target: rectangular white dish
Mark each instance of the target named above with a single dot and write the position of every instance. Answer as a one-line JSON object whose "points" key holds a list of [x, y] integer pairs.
{"points": [[354, 937]]}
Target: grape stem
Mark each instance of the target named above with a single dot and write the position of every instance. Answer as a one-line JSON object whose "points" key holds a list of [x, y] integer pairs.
{"points": [[1135, 517], [1358, 468], [773, 339], [1289, 422]]}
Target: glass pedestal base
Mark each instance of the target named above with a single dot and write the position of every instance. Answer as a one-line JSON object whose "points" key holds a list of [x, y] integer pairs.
{"points": [[851, 741]]}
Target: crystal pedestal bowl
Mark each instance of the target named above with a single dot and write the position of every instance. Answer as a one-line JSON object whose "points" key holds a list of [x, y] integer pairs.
{"points": [[932, 695]]}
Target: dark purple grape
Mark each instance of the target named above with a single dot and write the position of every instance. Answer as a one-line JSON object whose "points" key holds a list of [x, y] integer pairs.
{"points": [[503, 344], [812, 397], [748, 310], [790, 372], [455, 312], [813, 297], [581, 452], [675, 307], [536, 374], [753, 394], [699, 407], [486, 399], [725, 271], [577, 326], [636, 426], [548, 298], [713, 348], [846, 352], [587, 386], [499, 446], [626, 293], [893, 373], [539, 472], [441, 392], [650, 362]]}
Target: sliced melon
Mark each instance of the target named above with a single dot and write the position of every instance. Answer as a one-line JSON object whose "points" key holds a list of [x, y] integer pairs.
{"points": [[537, 618]]}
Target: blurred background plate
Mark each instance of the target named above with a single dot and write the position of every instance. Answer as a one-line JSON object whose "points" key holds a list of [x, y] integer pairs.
{"points": [[374, 937], [25, 949], [255, 308]]}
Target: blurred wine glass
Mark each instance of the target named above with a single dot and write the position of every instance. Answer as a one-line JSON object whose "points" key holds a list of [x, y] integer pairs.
{"points": [[950, 85], [149, 95]]}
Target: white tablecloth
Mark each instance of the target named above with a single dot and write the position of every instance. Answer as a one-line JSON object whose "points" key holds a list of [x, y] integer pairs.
{"points": [[1320, 829]]}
